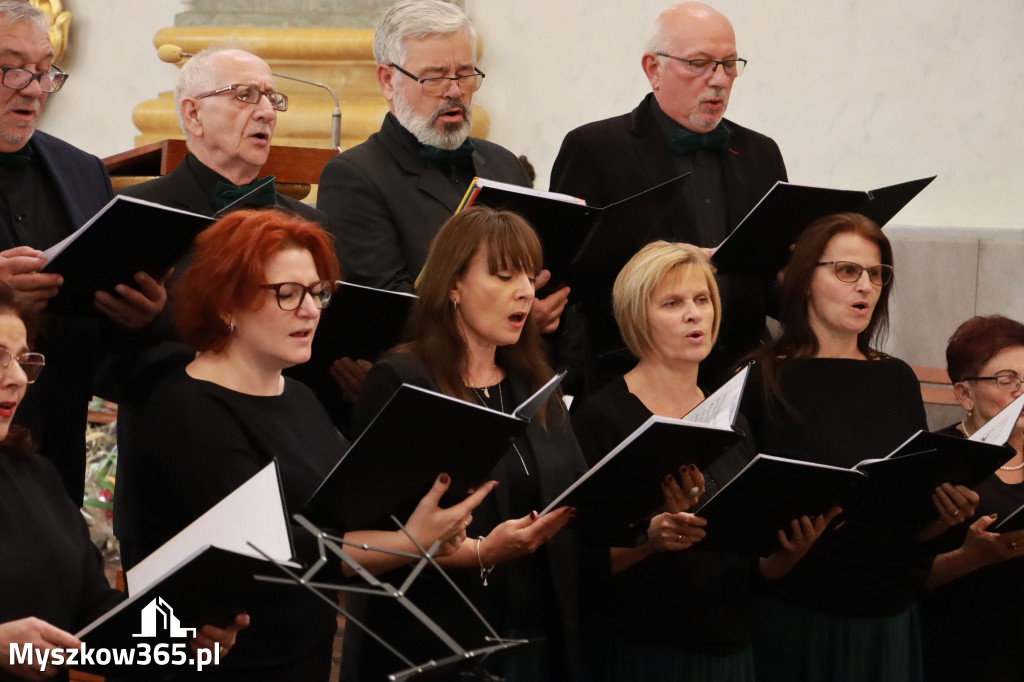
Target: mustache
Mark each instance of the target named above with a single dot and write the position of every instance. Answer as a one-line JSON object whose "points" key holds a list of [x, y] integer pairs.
{"points": [[257, 129], [448, 105], [22, 102], [712, 92]]}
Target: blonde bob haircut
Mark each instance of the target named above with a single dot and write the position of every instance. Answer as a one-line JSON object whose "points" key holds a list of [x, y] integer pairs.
{"points": [[636, 282]]}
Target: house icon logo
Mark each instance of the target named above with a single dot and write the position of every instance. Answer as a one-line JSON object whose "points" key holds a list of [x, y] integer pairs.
{"points": [[158, 619]]}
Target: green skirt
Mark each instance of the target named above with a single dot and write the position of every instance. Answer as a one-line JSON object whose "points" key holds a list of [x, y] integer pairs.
{"points": [[607, 658], [794, 643]]}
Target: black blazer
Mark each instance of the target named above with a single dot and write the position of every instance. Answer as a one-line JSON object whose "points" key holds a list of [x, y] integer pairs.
{"points": [[56, 407], [609, 160], [386, 204], [559, 461]]}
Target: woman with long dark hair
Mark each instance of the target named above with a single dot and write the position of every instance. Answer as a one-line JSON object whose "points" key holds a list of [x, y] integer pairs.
{"points": [[822, 392], [472, 337]]}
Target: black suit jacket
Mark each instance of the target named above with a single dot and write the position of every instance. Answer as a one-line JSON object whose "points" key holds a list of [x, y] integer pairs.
{"points": [[609, 160], [56, 406], [386, 204], [132, 372], [559, 461]]}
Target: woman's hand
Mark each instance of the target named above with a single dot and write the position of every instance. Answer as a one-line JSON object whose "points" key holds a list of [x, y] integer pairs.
{"points": [[519, 537], [672, 532], [430, 522], [955, 503], [214, 638], [42, 636], [682, 494], [803, 533], [980, 548]]}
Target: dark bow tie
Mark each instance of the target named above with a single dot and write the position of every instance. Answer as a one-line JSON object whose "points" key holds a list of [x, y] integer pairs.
{"points": [[225, 194], [462, 156], [686, 141], [18, 159]]}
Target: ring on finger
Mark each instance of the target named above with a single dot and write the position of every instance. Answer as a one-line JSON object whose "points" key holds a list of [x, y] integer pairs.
{"points": [[955, 512], [694, 491], [1013, 546]]}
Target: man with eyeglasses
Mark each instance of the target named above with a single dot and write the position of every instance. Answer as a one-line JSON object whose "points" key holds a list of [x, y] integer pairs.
{"points": [[691, 62], [48, 189], [227, 105], [388, 196]]}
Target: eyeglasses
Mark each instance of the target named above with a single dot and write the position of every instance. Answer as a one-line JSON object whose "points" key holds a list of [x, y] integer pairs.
{"points": [[1007, 382], [435, 87], [290, 295], [19, 79], [250, 94], [702, 67], [31, 363], [850, 272]]}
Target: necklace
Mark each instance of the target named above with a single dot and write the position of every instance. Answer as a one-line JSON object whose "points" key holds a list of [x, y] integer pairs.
{"points": [[486, 388], [963, 426], [501, 403]]}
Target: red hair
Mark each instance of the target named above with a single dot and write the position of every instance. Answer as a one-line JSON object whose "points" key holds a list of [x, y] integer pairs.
{"points": [[228, 267]]}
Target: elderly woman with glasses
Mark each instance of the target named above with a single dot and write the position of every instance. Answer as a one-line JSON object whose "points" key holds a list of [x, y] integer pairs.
{"points": [[985, 361], [52, 580], [823, 393], [249, 304]]}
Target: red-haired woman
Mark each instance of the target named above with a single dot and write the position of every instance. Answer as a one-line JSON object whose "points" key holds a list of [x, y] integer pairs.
{"points": [[249, 304], [473, 338]]}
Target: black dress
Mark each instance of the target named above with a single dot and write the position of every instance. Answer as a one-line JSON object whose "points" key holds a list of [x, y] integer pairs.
{"points": [[200, 441], [844, 611], [675, 615], [51, 569], [990, 600], [531, 596]]}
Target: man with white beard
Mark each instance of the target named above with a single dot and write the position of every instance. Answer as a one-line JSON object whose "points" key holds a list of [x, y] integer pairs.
{"points": [[691, 62], [388, 196]]}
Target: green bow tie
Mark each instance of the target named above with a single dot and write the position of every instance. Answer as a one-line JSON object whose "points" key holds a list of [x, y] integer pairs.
{"points": [[686, 141], [462, 156], [18, 159], [225, 194]]}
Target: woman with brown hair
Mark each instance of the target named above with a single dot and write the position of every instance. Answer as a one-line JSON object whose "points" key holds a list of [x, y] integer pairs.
{"points": [[821, 392], [472, 337], [980, 579], [52, 581]]}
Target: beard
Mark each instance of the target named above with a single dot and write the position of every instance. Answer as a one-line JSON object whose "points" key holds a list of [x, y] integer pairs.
{"points": [[449, 136], [708, 122]]}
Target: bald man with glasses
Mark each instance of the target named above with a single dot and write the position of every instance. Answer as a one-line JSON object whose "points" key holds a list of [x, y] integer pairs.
{"points": [[691, 62]]}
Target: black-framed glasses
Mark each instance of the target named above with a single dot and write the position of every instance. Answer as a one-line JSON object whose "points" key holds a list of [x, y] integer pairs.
{"points": [[850, 272], [702, 67], [31, 363], [18, 79], [250, 94], [290, 295], [1007, 382], [435, 87]]}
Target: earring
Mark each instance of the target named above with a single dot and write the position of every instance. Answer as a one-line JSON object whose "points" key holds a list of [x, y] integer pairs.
{"points": [[455, 306], [231, 327]]}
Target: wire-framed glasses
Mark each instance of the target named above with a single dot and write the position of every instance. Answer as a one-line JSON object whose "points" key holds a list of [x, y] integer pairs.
{"points": [[31, 363], [250, 94], [847, 271]]}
